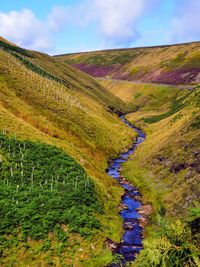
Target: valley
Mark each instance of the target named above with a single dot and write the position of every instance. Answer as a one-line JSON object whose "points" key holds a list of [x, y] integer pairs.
{"points": [[60, 128]]}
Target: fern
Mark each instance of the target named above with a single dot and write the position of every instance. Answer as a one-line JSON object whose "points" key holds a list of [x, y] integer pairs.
{"points": [[173, 247]]}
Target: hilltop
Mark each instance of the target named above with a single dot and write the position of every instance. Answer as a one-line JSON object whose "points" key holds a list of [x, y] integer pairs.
{"points": [[167, 64]]}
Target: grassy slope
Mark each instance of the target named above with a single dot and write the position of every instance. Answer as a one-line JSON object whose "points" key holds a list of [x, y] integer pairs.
{"points": [[72, 113], [166, 166], [172, 140], [176, 64], [42, 195]]}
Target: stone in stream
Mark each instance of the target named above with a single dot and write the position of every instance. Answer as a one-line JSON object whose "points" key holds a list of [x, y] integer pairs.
{"points": [[145, 211], [122, 207], [111, 245], [131, 224]]}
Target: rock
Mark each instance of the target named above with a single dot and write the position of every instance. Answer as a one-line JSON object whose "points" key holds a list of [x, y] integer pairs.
{"points": [[145, 210], [196, 164], [161, 158], [111, 245], [195, 226], [143, 222], [167, 162], [177, 167], [138, 198], [128, 226], [122, 207], [196, 152], [189, 174]]}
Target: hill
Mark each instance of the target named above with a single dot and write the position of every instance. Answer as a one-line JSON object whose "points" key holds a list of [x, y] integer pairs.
{"points": [[56, 124], [170, 64], [166, 168], [170, 117], [59, 128]]}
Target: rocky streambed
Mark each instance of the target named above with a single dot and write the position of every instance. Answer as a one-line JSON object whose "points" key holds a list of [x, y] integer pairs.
{"points": [[131, 209]]}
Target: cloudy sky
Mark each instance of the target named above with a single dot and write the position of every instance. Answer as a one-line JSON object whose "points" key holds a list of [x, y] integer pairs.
{"points": [[64, 26]]}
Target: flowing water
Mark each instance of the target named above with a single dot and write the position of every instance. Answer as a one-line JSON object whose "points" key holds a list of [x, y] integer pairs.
{"points": [[131, 242]]}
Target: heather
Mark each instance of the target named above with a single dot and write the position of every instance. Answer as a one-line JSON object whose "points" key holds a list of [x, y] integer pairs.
{"points": [[179, 76], [170, 64], [95, 70]]}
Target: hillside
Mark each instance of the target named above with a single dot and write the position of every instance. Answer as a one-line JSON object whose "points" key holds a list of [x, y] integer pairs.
{"points": [[170, 117], [58, 130], [165, 167], [53, 115], [174, 64]]}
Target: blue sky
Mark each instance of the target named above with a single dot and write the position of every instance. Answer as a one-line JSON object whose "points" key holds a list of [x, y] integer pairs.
{"points": [[82, 25]]}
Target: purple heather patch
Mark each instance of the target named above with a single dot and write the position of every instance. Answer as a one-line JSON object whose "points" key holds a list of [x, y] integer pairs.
{"points": [[95, 70], [179, 76], [174, 77]]}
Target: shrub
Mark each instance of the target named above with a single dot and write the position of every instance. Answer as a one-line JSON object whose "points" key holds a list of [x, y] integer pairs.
{"points": [[173, 246], [41, 188]]}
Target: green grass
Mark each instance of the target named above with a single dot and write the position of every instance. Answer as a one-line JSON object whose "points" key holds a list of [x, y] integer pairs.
{"points": [[172, 245], [196, 123], [37, 69], [102, 59], [176, 105], [149, 98], [42, 188], [174, 62]]}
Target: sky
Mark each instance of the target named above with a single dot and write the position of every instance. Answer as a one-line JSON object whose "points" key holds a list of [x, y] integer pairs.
{"points": [[66, 26]]}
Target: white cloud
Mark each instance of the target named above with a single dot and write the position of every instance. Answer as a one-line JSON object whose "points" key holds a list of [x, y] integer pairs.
{"points": [[58, 17], [186, 21], [115, 20], [23, 28]]}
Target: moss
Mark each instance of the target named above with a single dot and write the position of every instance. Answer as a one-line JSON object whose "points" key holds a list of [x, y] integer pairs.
{"points": [[176, 105]]}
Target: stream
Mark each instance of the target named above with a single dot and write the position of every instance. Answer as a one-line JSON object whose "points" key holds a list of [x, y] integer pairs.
{"points": [[131, 241]]}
